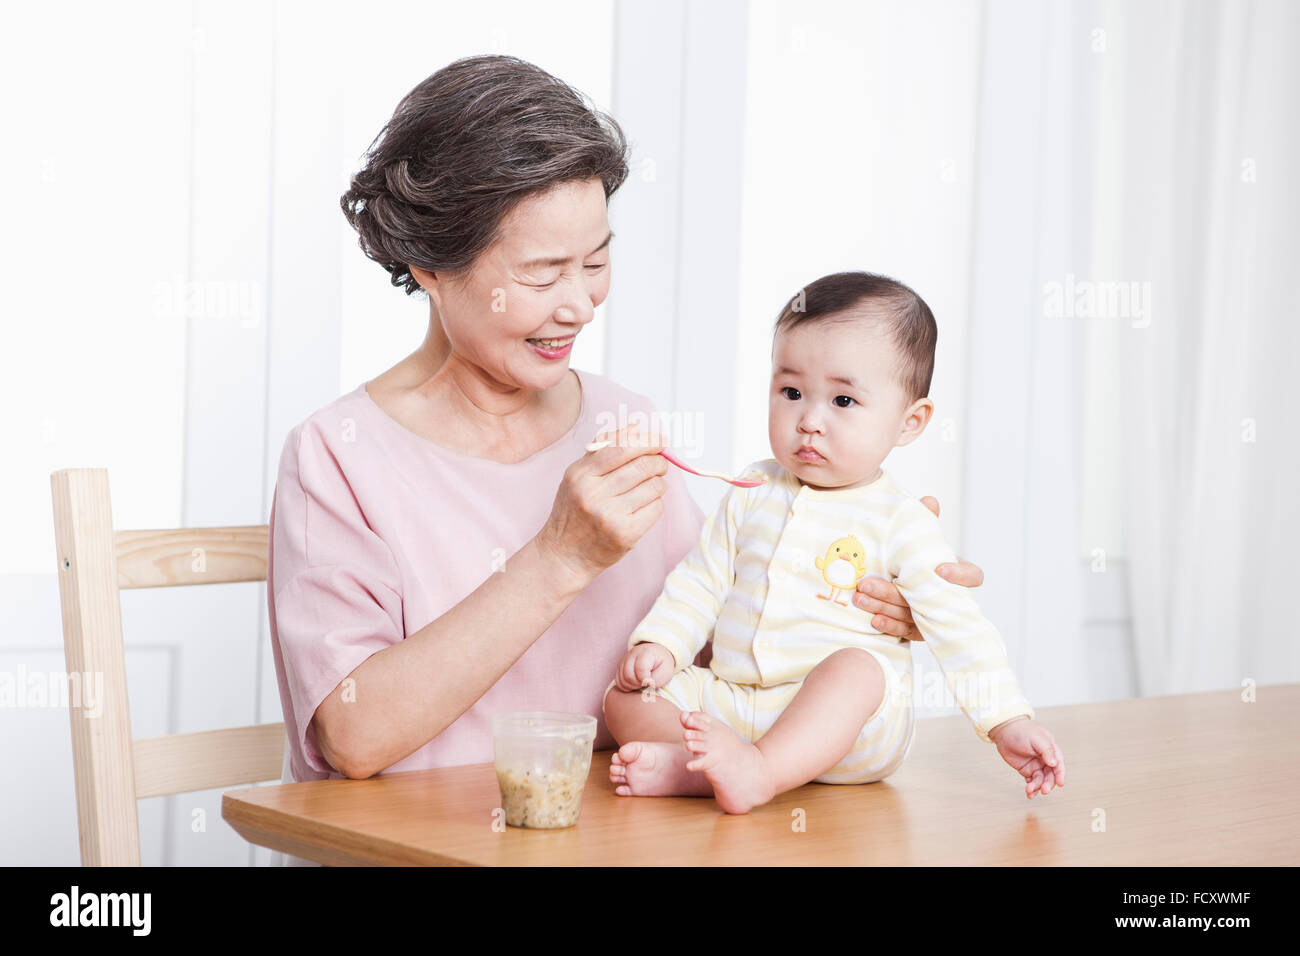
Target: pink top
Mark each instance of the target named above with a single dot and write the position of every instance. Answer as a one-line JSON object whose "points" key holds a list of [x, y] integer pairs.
{"points": [[376, 531]]}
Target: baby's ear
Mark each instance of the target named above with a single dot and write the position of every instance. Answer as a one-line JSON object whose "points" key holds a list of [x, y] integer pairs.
{"points": [[915, 419]]}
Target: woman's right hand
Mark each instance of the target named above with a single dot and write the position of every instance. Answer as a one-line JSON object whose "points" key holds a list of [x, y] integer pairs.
{"points": [[607, 500]]}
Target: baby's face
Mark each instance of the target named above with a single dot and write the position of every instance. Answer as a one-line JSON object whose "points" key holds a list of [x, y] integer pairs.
{"points": [[835, 390]]}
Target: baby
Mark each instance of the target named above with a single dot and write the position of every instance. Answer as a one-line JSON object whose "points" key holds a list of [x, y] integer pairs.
{"points": [[801, 687]]}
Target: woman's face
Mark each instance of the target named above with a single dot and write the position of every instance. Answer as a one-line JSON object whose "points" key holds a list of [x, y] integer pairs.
{"points": [[542, 280]]}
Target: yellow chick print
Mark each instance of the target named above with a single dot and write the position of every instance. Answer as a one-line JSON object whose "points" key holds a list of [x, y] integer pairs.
{"points": [[843, 567]]}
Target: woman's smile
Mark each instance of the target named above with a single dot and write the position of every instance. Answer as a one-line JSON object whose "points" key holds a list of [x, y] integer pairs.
{"points": [[552, 348]]}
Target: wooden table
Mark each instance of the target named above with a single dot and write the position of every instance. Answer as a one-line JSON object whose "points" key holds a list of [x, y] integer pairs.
{"points": [[1193, 779]]}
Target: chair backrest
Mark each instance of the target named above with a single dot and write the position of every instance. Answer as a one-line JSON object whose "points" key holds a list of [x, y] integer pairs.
{"points": [[112, 769]]}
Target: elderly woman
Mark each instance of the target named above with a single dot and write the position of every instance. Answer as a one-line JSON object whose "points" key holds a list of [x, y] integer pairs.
{"points": [[443, 548]]}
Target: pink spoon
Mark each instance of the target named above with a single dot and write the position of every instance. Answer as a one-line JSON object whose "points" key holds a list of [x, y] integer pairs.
{"points": [[738, 482]]}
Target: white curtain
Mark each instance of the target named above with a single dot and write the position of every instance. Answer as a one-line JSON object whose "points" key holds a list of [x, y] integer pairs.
{"points": [[1199, 124]]}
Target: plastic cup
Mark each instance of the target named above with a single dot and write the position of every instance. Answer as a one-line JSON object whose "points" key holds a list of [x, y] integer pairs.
{"points": [[542, 760]]}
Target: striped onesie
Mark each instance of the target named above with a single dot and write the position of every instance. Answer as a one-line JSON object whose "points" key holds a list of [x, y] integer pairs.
{"points": [[771, 580]]}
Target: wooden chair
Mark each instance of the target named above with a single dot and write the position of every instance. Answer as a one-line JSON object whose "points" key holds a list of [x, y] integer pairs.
{"points": [[113, 770]]}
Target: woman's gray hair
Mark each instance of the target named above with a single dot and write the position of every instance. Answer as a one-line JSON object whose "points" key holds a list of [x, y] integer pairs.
{"points": [[464, 148]]}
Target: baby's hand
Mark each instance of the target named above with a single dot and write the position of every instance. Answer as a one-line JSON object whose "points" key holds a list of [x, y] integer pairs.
{"points": [[645, 665], [1030, 748]]}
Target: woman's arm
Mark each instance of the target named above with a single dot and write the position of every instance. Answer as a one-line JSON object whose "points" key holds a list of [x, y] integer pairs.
{"points": [[404, 695], [885, 601]]}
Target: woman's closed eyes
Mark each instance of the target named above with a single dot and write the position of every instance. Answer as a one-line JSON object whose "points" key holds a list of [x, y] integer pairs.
{"points": [[591, 269]]}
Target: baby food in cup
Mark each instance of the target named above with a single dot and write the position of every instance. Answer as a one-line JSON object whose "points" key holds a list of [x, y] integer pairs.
{"points": [[542, 760]]}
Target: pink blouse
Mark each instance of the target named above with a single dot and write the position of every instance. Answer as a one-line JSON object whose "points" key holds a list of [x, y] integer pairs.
{"points": [[376, 531]]}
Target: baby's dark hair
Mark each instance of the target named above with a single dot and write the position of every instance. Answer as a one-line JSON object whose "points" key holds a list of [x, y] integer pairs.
{"points": [[908, 319]]}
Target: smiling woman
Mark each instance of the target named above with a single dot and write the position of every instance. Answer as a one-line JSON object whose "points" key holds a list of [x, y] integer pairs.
{"points": [[560, 345], [514, 315], [443, 548]]}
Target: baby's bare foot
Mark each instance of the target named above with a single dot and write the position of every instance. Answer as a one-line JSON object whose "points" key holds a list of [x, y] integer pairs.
{"points": [[655, 769], [735, 768]]}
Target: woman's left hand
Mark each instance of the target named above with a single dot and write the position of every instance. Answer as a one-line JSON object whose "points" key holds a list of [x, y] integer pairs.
{"points": [[891, 615]]}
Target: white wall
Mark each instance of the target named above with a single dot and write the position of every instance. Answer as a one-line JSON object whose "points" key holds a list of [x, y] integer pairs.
{"points": [[95, 366]]}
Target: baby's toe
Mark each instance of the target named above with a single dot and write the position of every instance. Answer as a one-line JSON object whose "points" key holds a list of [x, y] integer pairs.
{"points": [[703, 762], [630, 752], [695, 720]]}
